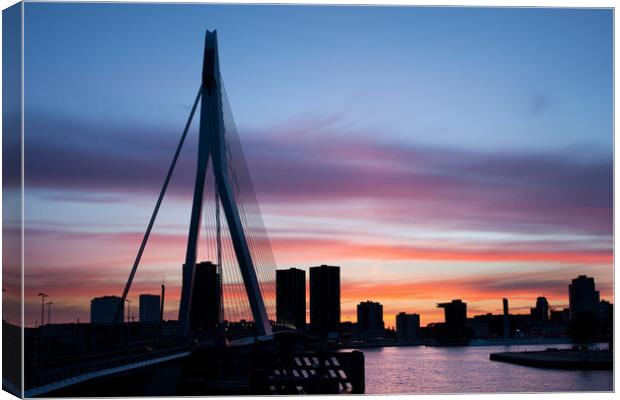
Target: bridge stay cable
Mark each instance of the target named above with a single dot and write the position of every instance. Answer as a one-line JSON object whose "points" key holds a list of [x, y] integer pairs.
{"points": [[249, 203], [250, 212], [147, 233]]}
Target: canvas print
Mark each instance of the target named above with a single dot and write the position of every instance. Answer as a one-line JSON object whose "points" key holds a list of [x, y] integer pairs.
{"points": [[230, 199]]}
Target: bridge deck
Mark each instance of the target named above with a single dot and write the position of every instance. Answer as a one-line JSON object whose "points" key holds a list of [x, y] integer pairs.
{"points": [[145, 360]]}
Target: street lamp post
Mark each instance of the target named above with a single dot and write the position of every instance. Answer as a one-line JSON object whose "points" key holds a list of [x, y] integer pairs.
{"points": [[43, 296]]}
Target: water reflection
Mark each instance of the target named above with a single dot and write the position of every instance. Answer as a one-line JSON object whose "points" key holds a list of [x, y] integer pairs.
{"points": [[469, 370]]}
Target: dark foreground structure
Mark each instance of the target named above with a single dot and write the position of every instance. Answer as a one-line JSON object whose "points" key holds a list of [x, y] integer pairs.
{"points": [[559, 359], [290, 363]]}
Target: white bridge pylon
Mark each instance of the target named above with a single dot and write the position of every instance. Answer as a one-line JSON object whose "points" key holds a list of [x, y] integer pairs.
{"points": [[211, 143]]}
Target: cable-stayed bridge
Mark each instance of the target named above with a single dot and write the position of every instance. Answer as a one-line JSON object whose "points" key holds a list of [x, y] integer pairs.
{"points": [[224, 341], [225, 206]]}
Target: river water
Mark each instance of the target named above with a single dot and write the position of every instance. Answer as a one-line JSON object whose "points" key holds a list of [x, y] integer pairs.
{"points": [[467, 369]]}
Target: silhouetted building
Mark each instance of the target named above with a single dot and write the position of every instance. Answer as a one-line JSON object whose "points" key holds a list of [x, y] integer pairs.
{"points": [[455, 312], [370, 318], [149, 307], [480, 327], [291, 297], [103, 309], [324, 299], [455, 326], [506, 320], [407, 327], [540, 313], [347, 328], [206, 298], [604, 310], [560, 317], [488, 325], [582, 296], [389, 333], [566, 312], [519, 325], [604, 316]]}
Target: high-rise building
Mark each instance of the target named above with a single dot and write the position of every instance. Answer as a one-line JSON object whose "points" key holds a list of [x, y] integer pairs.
{"points": [[407, 327], [324, 299], [149, 307], [540, 313], [583, 297], [206, 298], [291, 297], [455, 326], [370, 318], [506, 320], [103, 309], [455, 312]]}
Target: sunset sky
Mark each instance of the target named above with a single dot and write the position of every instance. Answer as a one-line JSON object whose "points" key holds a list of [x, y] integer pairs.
{"points": [[433, 154]]}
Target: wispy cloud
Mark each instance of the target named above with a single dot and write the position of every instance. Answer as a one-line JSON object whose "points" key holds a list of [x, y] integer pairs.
{"points": [[448, 188]]}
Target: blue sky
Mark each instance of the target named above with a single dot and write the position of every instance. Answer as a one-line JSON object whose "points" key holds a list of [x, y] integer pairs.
{"points": [[473, 77]]}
